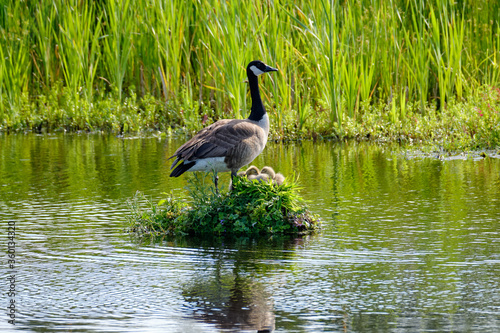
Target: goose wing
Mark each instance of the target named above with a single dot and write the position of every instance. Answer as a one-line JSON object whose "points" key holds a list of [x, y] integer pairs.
{"points": [[217, 140]]}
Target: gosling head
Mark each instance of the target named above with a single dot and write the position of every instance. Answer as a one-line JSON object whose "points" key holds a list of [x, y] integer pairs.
{"points": [[252, 170], [257, 68], [268, 171]]}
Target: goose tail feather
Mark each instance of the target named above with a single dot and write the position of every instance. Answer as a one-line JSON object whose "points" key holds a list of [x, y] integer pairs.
{"points": [[181, 168], [175, 162]]}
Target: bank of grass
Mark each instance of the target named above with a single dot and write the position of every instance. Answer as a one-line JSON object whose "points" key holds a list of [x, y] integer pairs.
{"points": [[251, 208], [399, 69], [465, 125], [470, 125]]}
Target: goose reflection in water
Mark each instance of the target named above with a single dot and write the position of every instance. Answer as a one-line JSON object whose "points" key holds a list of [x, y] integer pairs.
{"points": [[232, 302], [228, 293]]}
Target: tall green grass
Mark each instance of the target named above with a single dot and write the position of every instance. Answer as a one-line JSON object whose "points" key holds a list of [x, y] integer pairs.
{"points": [[337, 59], [15, 62]]}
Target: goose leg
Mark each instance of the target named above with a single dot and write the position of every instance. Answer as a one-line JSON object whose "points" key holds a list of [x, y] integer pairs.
{"points": [[216, 182]]}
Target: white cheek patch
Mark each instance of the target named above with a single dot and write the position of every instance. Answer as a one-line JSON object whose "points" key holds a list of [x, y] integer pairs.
{"points": [[256, 71]]}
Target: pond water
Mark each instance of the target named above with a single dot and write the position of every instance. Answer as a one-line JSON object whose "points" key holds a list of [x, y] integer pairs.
{"points": [[408, 244]]}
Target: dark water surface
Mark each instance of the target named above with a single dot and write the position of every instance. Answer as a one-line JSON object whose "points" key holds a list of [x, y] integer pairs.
{"points": [[408, 244]]}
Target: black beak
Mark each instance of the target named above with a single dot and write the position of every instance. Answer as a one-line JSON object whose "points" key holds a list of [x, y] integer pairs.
{"points": [[270, 69]]}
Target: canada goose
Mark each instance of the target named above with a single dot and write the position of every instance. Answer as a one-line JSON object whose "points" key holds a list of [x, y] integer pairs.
{"points": [[228, 144]]}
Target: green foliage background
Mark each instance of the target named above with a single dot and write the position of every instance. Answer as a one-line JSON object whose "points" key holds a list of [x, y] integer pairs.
{"points": [[347, 68]]}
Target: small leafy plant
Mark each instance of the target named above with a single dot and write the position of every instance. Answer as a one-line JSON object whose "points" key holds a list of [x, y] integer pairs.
{"points": [[250, 208]]}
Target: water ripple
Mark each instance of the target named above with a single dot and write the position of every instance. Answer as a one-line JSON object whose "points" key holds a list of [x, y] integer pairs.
{"points": [[407, 245]]}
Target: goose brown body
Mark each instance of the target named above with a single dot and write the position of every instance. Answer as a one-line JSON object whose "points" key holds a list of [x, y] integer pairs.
{"points": [[228, 144]]}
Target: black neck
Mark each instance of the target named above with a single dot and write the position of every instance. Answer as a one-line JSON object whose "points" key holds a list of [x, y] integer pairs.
{"points": [[258, 110]]}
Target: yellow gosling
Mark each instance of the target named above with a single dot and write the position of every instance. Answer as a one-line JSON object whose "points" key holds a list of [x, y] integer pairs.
{"points": [[279, 179], [268, 171], [252, 170], [260, 178]]}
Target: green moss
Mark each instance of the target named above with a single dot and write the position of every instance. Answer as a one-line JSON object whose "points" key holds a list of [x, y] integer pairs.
{"points": [[251, 208]]}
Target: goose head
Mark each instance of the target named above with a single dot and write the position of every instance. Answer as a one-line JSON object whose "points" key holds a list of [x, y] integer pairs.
{"points": [[257, 67]]}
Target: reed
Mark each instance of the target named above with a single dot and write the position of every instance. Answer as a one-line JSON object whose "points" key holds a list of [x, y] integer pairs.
{"points": [[15, 65], [338, 60], [417, 58], [44, 19], [117, 41]]}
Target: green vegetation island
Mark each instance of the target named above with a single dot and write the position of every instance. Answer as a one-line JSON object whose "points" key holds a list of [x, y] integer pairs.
{"points": [[417, 72], [250, 208]]}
